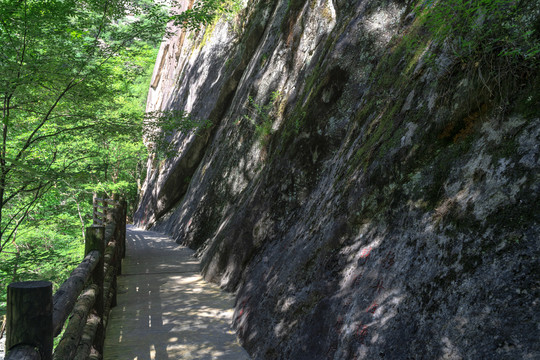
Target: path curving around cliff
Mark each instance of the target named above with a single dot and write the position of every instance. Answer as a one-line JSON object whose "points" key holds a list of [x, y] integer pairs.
{"points": [[166, 311]]}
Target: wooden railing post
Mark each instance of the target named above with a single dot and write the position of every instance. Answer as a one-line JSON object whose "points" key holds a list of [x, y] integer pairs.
{"points": [[29, 316], [35, 317], [95, 240], [123, 204], [107, 214], [95, 208]]}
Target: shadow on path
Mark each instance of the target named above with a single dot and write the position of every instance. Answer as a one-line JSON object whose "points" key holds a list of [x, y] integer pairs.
{"points": [[166, 311]]}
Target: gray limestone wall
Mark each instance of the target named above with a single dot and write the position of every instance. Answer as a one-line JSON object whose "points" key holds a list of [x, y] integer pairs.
{"points": [[363, 195]]}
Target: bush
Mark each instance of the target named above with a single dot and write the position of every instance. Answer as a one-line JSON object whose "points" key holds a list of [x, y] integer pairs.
{"points": [[479, 27]]}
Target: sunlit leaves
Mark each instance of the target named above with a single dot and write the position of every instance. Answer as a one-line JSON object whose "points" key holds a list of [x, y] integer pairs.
{"points": [[66, 73], [506, 28], [205, 12], [159, 127], [73, 81]]}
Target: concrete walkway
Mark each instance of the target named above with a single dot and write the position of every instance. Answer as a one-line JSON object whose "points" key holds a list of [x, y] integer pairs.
{"points": [[166, 311]]}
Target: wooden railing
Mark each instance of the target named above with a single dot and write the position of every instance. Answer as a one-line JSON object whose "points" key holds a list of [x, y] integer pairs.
{"points": [[35, 317], [101, 209]]}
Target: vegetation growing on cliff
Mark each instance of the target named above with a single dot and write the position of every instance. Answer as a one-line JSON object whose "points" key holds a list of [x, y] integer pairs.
{"points": [[263, 116], [205, 13], [504, 28]]}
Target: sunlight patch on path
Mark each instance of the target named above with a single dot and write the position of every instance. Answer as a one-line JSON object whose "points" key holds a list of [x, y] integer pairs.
{"points": [[166, 311]]}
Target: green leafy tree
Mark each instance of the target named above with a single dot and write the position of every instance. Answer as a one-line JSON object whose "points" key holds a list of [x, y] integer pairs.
{"points": [[58, 61], [73, 81]]}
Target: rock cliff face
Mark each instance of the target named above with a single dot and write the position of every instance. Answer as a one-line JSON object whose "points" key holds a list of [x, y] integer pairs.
{"points": [[366, 193]]}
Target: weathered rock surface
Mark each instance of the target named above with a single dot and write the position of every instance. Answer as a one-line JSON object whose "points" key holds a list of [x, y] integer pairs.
{"points": [[363, 199]]}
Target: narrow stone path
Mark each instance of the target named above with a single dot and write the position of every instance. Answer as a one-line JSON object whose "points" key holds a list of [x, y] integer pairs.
{"points": [[166, 311]]}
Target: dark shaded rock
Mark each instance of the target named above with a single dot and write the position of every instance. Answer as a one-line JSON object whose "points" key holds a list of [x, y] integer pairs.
{"points": [[360, 194]]}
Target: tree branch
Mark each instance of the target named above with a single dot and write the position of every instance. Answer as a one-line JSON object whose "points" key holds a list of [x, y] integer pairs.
{"points": [[39, 138], [30, 139], [25, 210]]}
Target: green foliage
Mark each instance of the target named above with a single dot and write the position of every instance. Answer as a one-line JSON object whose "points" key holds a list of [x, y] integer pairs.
{"points": [[206, 12], [66, 71], [262, 116], [478, 27], [160, 127], [34, 262], [73, 82], [264, 58], [49, 245]]}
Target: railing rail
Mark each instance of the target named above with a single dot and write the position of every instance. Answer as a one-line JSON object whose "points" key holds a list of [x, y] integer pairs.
{"points": [[101, 217], [35, 316]]}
